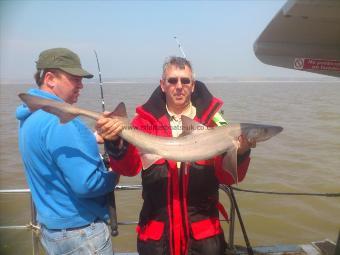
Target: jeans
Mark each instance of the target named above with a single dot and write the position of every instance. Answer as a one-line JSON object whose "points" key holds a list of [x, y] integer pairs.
{"points": [[92, 239]]}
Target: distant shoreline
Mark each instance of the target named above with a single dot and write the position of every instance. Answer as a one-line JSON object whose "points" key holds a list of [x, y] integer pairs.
{"points": [[206, 80]]}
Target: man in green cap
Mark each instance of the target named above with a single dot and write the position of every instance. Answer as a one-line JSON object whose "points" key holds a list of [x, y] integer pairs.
{"points": [[63, 167]]}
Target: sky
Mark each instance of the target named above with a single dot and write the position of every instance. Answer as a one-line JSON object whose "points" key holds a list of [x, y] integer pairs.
{"points": [[133, 38]]}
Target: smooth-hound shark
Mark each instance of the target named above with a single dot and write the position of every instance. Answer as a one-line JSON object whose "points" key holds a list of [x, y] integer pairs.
{"points": [[197, 142]]}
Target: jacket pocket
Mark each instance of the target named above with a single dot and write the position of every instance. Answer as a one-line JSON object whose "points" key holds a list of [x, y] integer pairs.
{"points": [[205, 228], [152, 231], [209, 162]]}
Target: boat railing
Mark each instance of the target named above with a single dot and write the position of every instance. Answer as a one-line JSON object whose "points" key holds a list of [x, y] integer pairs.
{"points": [[33, 225]]}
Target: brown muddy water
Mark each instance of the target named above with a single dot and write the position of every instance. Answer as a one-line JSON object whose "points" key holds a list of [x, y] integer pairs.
{"points": [[305, 157]]}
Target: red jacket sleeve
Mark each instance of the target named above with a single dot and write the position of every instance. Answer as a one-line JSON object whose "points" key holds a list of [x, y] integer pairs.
{"points": [[128, 165]]}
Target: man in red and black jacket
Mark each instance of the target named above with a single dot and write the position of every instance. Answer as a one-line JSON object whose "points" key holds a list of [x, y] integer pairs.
{"points": [[180, 210]]}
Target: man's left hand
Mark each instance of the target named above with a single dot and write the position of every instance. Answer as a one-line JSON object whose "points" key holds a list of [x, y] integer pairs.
{"points": [[245, 145]]}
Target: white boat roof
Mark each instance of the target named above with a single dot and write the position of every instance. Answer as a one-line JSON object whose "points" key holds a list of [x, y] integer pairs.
{"points": [[304, 35]]}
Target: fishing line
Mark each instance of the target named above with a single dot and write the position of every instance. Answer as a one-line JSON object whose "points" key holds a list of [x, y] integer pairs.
{"points": [[180, 47], [288, 193]]}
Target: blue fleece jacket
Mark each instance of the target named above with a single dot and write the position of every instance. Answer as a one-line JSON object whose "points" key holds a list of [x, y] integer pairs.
{"points": [[63, 167]]}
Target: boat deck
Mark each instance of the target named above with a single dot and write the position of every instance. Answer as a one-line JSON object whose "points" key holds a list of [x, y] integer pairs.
{"points": [[325, 247]]}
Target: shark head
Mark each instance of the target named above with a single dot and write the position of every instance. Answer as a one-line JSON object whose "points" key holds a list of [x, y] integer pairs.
{"points": [[259, 133], [253, 133]]}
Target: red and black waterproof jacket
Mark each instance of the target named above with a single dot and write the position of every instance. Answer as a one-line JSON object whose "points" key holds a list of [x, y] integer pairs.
{"points": [[179, 204]]}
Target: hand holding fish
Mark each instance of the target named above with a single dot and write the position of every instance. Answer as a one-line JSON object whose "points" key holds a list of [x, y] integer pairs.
{"points": [[109, 128], [245, 144]]}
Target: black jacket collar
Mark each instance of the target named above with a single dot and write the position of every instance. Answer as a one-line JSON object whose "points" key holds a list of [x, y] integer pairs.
{"points": [[201, 99]]}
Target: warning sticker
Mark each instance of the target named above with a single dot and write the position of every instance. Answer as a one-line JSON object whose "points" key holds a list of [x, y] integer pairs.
{"points": [[316, 64]]}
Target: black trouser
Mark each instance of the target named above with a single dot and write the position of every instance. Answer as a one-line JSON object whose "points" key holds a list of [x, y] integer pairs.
{"points": [[214, 245]]}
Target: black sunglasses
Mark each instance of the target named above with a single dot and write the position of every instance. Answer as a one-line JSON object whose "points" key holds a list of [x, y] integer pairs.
{"points": [[174, 80]]}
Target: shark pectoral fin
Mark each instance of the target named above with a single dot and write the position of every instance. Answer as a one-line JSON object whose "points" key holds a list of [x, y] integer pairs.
{"points": [[229, 162], [64, 117], [149, 159]]}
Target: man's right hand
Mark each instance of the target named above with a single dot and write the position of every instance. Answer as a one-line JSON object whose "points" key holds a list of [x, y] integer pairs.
{"points": [[109, 128]]}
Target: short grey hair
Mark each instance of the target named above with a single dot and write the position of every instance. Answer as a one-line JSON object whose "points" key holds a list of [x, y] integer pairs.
{"points": [[178, 62]]}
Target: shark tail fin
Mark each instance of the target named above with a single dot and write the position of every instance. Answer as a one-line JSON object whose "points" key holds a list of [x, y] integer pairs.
{"points": [[57, 108]]}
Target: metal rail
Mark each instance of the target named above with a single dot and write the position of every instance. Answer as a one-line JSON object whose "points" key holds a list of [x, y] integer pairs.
{"points": [[32, 225], [118, 187]]}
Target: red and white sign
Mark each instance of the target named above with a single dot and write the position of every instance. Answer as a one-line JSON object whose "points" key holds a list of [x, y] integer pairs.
{"points": [[317, 64]]}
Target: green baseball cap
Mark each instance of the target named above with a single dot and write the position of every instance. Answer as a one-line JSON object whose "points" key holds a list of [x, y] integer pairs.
{"points": [[63, 59]]}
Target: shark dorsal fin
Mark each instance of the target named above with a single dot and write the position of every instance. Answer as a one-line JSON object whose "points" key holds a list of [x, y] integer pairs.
{"points": [[119, 111], [190, 126]]}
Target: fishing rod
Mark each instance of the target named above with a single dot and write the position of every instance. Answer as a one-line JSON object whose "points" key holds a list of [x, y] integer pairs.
{"points": [[180, 47], [111, 196], [100, 82]]}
